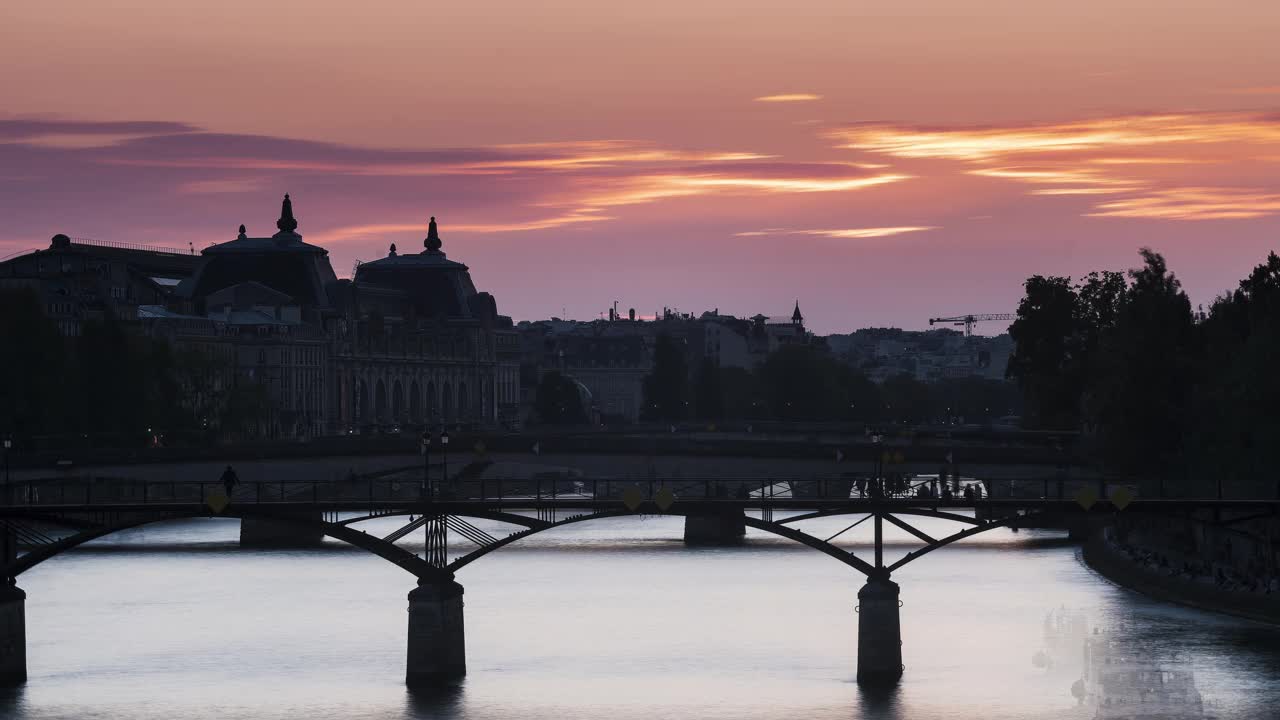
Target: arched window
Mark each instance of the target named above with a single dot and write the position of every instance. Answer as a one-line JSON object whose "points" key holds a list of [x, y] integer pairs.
{"points": [[362, 402], [415, 402], [380, 402]]}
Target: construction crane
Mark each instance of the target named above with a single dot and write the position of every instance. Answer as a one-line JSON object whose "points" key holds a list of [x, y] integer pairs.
{"points": [[968, 321]]}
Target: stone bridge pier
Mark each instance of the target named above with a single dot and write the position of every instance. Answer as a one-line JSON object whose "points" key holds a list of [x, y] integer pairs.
{"points": [[710, 525], [262, 532], [13, 635], [879, 632], [437, 642]]}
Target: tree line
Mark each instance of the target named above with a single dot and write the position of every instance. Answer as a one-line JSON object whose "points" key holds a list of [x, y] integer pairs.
{"points": [[1184, 397], [107, 385], [806, 382]]}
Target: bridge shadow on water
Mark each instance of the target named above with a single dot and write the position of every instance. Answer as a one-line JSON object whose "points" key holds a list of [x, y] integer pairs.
{"points": [[438, 702], [13, 701], [879, 703]]}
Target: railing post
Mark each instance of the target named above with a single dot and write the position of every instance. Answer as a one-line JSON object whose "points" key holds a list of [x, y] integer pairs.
{"points": [[258, 492], [314, 497], [145, 484]]}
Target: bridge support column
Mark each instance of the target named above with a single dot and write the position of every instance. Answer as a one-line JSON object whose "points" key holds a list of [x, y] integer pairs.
{"points": [[13, 636], [263, 532], [715, 526], [879, 633], [437, 647]]}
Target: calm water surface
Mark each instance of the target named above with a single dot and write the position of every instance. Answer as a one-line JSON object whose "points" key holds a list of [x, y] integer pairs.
{"points": [[609, 619]]}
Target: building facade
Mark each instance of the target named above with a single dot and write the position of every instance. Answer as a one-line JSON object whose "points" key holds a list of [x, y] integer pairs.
{"points": [[407, 342]]}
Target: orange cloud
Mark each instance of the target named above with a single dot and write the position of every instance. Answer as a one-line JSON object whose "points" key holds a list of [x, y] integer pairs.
{"points": [[1118, 133], [788, 98], [1104, 156], [1193, 203], [852, 233]]}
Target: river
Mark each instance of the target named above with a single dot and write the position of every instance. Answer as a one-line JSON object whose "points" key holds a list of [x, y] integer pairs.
{"points": [[610, 619]]}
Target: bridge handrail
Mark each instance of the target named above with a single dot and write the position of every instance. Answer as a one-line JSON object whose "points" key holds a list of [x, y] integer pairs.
{"points": [[847, 486]]}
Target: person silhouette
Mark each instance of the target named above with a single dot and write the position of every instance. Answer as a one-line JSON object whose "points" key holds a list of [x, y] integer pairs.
{"points": [[229, 480]]}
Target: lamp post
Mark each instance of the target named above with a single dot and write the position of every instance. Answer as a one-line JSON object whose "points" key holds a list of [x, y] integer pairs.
{"points": [[426, 461], [878, 487], [444, 450]]}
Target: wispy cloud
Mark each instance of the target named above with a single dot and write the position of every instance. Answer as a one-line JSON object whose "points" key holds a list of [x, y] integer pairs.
{"points": [[1193, 203], [1255, 90], [788, 98], [849, 233], [1156, 166]]}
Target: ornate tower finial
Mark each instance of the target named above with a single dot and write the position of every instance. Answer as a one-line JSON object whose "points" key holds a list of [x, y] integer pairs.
{"points": [[796, 317], [242, 235], [286, 223], [393, 250], [432, 242]]}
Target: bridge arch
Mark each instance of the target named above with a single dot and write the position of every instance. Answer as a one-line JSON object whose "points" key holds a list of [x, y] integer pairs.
{"points": [[411, 563], [822, 546]]}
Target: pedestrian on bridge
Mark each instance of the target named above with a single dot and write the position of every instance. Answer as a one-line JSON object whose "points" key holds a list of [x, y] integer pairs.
{"points": [[230, 480]]}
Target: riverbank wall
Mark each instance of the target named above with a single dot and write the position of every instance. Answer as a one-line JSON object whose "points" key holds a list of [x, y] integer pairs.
{"points": [[1200, 561]]}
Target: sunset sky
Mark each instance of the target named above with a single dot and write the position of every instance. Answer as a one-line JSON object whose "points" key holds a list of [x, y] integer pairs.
{"points": [[879, 162]]}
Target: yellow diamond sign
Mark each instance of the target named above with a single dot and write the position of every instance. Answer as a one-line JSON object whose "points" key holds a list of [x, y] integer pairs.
{"points": [[1121, 497], [632, 498], [217, 502], [1086, 497], [664, 498]]}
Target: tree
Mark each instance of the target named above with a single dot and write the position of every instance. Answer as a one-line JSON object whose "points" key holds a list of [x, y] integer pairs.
{"points": [[557, 400], [665, 387], [1146, 372], [1235, 423], [1044, 360], [32, 367], [708, 396]]}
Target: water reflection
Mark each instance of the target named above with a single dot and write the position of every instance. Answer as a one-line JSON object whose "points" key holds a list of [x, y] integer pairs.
{"points": [[1119, 673]]}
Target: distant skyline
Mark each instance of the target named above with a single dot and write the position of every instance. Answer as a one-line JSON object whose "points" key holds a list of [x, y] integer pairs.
{"points": [[880, 164]]}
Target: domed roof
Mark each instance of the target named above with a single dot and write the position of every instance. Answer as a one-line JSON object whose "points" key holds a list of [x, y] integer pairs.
{"points": [[435, 284], [282, 262]]}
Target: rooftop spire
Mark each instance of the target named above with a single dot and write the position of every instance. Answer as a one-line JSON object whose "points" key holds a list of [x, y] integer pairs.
{"points": [[286, 223], [796, 317], [432, 242]]}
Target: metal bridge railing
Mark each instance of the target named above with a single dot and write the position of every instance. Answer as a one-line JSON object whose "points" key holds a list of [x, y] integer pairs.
{"points": [[373, 489]]}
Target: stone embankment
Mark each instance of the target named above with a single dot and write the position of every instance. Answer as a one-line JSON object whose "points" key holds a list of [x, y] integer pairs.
{"points": [[1199, 564]]}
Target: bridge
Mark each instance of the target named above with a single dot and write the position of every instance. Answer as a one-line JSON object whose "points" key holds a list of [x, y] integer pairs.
{"points": [[39, 521]]}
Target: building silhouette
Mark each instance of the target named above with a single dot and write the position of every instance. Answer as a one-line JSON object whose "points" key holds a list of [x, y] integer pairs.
{"points": [[408, 341]]}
